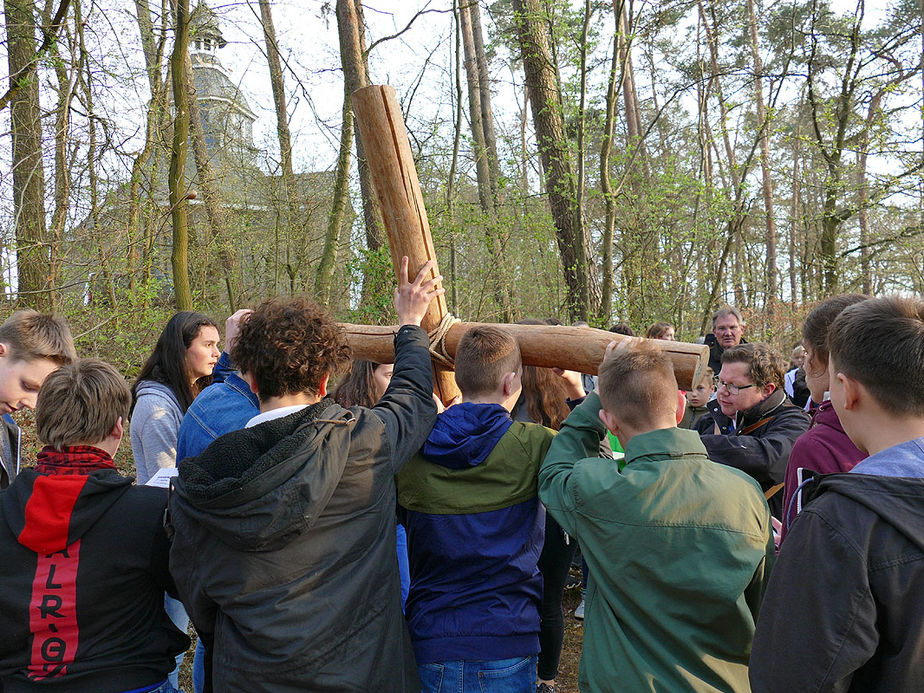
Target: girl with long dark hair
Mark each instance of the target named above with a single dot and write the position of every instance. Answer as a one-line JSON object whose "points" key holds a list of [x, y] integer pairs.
{"points": [[543, 400], [179, 368]]}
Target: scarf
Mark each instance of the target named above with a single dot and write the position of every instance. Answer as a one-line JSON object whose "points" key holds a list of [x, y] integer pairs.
{"points": [[73, 459]]}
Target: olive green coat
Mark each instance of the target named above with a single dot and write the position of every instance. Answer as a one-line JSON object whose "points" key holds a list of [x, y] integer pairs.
{"points": [[679, 550]]}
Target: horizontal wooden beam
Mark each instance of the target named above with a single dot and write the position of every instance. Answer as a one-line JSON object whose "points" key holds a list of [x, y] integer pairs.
{"points": [[572, 348]]}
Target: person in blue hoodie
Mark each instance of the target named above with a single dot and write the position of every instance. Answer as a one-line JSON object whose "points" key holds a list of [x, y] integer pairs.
{"points": [[475, 529]]}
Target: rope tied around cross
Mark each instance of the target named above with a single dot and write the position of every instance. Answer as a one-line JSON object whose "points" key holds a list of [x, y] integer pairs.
{"points": [[437, 336]]}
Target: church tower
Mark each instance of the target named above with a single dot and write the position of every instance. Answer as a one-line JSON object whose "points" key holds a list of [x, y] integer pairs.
{"points": [[226, 116]]}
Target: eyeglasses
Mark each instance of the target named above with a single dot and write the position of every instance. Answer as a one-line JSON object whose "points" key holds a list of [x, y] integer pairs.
{"points": [[732, 389]]}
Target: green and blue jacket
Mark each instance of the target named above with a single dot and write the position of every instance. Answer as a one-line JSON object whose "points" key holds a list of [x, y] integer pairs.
{"points": [[475, 531]]}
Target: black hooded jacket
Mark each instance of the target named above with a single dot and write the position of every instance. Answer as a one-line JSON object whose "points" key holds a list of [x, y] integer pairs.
{"points": [[284, 546], [845, 604], [761, 443], [82, 580], [716, 351]]}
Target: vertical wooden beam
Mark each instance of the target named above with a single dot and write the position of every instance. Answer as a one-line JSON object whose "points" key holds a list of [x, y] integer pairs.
{"points": [[394, 176]]}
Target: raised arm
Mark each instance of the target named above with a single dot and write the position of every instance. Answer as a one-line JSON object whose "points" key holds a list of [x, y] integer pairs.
{"points": [[407, 407], [224, 367]]}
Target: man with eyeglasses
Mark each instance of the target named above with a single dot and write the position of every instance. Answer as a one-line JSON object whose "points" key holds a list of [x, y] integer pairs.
{"points": [[727, 332], [754, 423]]}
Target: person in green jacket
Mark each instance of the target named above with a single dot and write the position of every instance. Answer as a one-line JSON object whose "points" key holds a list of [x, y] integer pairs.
{"points": [[679, 547]]}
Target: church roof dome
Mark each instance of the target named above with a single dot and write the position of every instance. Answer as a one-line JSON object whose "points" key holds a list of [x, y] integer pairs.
{"points": [[211, 82]]}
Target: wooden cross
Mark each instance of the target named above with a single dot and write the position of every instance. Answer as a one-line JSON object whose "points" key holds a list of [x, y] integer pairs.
{"points": [[397, 188]]}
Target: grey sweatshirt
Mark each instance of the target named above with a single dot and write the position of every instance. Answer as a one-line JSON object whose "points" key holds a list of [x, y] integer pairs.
{"points": [[154, 427]]}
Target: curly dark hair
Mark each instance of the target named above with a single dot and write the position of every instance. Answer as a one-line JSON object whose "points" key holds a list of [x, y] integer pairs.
{"points": [[765, 364], [288, 345]]}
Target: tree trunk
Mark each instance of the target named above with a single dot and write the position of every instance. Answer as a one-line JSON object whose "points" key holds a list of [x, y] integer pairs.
{"points": [[456, 137], [104, 253], [763, 127], [484, 94], [356, 73], [605, 313], [866, 270], [795, 211], [154, 122], [176, 180], [481, 117], [548, 122], [325, 274], [153, 50], [635, 132], [482, 166], [28, 172], [290, 189], [66, 84]]}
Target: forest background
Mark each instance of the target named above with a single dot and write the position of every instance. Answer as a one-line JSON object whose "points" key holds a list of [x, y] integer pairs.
{"points": [[606, 161], [603, 161]]}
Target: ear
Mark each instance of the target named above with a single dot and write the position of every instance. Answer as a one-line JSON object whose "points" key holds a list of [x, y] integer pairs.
{"points": [[118, 430], [853, 391], [610, 421], [4, 350], [769, 389], [251, 381], [511, 384], [322, 386]]}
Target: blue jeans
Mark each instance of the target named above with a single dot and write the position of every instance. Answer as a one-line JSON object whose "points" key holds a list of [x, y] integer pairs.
{"points": [[165, 687], [177, 614], [404, 567], [198, 675], [517, 675]]}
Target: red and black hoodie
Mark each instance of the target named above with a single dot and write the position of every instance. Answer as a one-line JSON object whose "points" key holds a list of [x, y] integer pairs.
{"points": [[83, 570]]}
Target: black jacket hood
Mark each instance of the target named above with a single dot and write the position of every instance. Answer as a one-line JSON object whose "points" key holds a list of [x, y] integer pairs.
{"points": [[898, 501], [49, 512], [258, 487]]}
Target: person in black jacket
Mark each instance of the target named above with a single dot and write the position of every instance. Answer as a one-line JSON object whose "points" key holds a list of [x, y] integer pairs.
{"points": [[845, 603], [727, 332], [84, 565], [759, 424], [284, 546]]}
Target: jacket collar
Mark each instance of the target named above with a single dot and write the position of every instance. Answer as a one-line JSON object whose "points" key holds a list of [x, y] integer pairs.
{"points": [[768, 407], [237, 383], [664, 443]]}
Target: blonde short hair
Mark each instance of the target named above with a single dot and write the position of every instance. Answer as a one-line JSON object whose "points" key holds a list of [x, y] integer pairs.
{"points": [[81, 403], [637, 385], [485, 354], [30, 335]]}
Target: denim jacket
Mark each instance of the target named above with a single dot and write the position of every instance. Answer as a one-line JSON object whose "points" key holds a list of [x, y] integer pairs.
{"points": [[224, 406]]}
